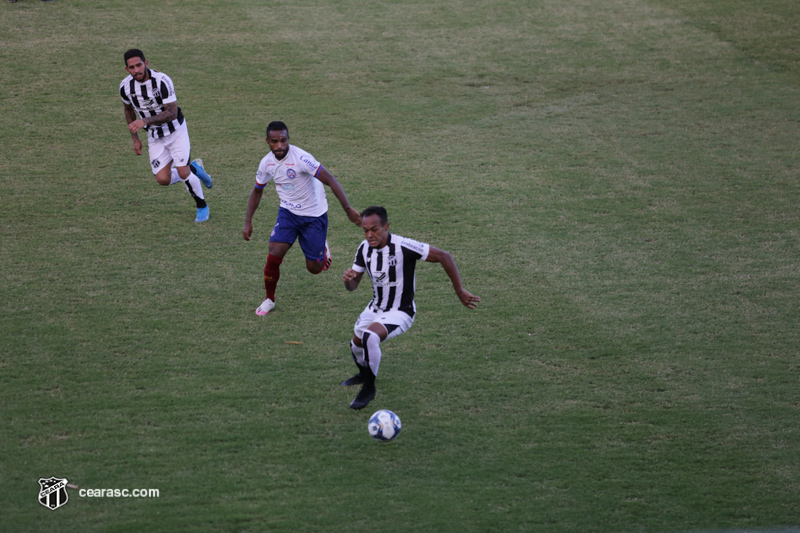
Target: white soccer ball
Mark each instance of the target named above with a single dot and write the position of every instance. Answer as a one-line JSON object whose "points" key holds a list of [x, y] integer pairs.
{"points": [[384, 425]]}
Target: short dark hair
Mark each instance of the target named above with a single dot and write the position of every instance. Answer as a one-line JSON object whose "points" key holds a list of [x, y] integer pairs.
{"points": [[277, 125], [133, 52], [376, 210]]}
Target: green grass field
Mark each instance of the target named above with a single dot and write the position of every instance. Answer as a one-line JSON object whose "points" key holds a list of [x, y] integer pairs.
{"points": [[618, 181]]}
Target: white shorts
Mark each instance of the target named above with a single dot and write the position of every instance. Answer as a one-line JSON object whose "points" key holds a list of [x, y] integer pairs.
{"points": [[174, 148], [395, 322]]}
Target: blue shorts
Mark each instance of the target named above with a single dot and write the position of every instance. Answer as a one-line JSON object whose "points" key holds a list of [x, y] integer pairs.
{"points": [[312, 232]]}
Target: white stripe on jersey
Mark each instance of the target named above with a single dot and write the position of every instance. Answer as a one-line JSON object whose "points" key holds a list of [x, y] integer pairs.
{"points": [[392, 270], [148, 100]]}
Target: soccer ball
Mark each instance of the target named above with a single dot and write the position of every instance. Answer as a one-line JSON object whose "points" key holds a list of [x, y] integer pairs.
{"points": [[384, 425]]}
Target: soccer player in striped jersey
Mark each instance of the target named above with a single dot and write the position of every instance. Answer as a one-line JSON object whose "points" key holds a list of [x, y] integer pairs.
{"points": [[151, 105], [303, 211], [390, 262]]}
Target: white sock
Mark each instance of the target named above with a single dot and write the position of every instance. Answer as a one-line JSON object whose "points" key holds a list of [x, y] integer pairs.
{"points": [[193, 185], [175, 177], [358, 353], [372, 350]]}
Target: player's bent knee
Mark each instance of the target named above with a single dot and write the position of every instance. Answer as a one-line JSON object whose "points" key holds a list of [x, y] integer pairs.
{"points": [[184, 172], [164, 176], [378, 329], [370, 340]]}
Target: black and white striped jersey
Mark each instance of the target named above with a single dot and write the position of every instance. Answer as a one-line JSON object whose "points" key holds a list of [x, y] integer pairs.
{"points": [[148, 100], [392, 271]]}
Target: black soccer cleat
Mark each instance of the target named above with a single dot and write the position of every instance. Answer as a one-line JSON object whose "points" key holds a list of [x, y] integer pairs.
{"points": [[358, 379], [365, 395]]}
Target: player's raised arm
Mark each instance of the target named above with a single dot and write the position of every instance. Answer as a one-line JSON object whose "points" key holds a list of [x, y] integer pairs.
{"points": [[327, 178], [436, 255]]}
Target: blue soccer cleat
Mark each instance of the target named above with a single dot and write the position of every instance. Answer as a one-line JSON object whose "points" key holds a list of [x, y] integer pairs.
{"points": [[200, 172], [202, 214]]}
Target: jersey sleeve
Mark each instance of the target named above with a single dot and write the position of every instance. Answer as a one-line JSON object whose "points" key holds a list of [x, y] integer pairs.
{"points": [[122, 94], [166, 89], [309, 164], [262, 177], [359, 265], [417, 249]]}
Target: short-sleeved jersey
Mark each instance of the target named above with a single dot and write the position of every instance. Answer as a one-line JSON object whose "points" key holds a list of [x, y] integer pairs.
{"points": [[296, 182], [392, 270], [149, 98]]}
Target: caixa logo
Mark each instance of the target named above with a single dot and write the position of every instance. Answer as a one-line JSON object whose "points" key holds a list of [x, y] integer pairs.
{"points": [[53, 492], [308, 161]]}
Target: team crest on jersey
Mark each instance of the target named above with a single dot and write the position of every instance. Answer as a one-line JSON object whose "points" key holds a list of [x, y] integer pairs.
{"points": [[155, 163], [392, 260], [291, 174], [53, 492], [155, 92]]}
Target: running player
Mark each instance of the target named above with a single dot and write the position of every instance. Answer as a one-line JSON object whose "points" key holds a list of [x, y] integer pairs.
{"points": [[390, 262], [303, 211], [150, 104]]}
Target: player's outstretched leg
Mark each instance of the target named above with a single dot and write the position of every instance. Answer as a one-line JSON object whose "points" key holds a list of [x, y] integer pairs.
{"points": [[371, 343], [361, 364], [328, 258], [272, 273], [367, 392], [192, 183], [200, 172]]}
